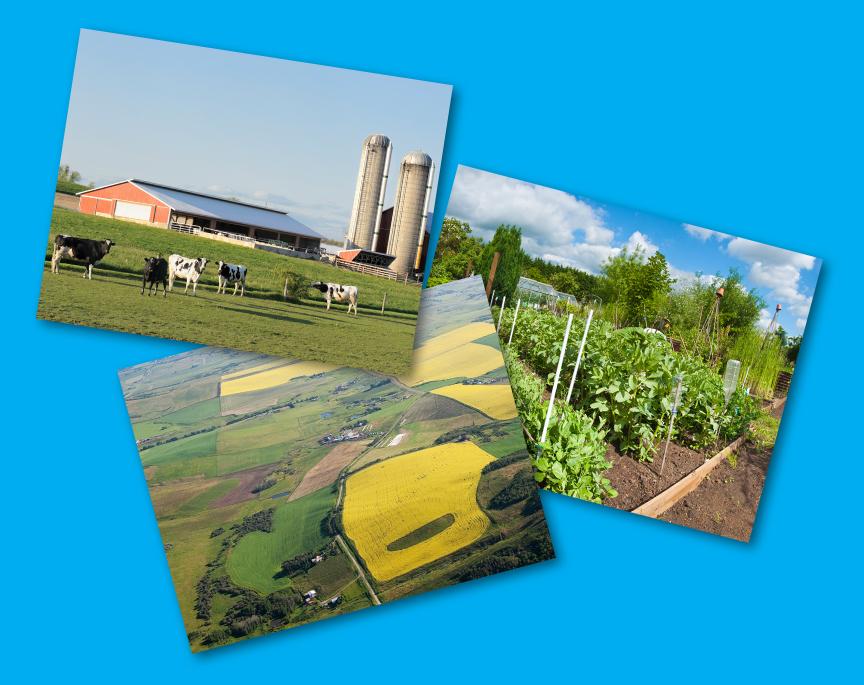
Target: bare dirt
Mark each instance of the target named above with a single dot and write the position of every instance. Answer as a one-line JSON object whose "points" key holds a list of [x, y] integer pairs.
{"points": [[725, 502], [327, 470], [243, 490], [637, 482]]}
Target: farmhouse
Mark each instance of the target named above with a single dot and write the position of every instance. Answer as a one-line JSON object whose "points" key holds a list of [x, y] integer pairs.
{"points": [[192, 212]]}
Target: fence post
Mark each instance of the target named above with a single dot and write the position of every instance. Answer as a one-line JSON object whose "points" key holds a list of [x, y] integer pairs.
{"points": [[515, 315], [500, 314], [555, 383], [579, 356]]}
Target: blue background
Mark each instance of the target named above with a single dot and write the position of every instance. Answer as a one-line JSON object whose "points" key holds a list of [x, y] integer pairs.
{"points": [[740, 119]]}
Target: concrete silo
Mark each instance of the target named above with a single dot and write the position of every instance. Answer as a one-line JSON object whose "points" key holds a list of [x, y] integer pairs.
{"points": [[369, 194], [410, 210]]}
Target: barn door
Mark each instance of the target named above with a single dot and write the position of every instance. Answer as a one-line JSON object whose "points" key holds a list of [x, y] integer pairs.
{"points": [[133, 210]]}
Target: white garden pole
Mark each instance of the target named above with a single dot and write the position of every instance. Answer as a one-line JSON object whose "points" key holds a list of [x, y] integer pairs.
{"points": [[579, 356], [501, 313], [383, 302], [493, 296], [513, 327], [555, 383]]}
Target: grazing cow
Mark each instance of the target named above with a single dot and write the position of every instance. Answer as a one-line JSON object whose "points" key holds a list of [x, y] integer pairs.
{"points": [[90, 252], [155, 272], [338, 293], [231, 273], [190, 269]]}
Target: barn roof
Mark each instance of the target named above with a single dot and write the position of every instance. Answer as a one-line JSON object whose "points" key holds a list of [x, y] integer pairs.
{"points": [[212, 207]]}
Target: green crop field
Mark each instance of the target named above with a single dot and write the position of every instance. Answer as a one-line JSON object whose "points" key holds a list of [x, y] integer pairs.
{"points": [[296, 529], [258, 322]]}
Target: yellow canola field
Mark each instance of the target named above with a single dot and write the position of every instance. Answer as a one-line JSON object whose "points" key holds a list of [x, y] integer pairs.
{"points": [[254, 369], [270, 378], [385, 502], [452, 355], [493, 400]]}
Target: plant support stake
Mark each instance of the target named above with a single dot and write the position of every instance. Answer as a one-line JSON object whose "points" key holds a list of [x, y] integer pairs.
{"points": [[555, 383], [678, 379], [579, 356], [513, 327], [383, 302], [500, 313], [492, 301]]}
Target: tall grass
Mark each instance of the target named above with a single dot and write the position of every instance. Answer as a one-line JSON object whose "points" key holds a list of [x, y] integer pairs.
{"points": [[761, 360]]}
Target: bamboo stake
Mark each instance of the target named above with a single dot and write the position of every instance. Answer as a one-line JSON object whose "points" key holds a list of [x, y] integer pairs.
{"points": [[500, 314], [555, 383], [579, 356], [513, 327], [675, 402]]}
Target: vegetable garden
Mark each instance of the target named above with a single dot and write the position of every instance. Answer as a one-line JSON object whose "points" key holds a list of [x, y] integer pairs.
{"points": [[633, 395]]}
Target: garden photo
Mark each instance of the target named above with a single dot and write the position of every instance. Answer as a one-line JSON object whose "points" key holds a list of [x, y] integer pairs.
{"points": [[650, 359]]}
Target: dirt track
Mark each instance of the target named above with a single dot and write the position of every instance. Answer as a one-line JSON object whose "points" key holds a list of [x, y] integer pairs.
{"points": [[327, 470]]}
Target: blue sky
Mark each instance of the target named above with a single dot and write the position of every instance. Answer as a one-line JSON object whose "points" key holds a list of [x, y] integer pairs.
{"points": [[265, 130], [582, 233]]}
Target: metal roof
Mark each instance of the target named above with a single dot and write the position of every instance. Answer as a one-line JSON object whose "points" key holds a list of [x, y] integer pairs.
{"points": [[229, 211]]}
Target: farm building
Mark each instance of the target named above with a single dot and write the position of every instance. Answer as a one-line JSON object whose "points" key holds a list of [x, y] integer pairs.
{"points": [[188, 211]]}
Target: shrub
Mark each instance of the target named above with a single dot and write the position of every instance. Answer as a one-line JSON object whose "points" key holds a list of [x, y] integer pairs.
{"points": [[296, 286]]}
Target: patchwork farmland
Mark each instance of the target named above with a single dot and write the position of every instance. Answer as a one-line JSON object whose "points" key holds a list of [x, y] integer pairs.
{"points": [[259, 322], [283, 496]]}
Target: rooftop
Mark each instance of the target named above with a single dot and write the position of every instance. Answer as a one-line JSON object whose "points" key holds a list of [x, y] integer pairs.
{"points": [[219, 208]]}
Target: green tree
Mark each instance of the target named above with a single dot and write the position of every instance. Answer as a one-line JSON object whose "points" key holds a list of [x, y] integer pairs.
{"points": [[507, 241], [457, 253], [637, 286]]}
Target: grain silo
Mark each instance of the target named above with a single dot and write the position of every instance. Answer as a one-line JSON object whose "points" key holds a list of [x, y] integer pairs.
{"points": [[410, 209], [369, 194]]}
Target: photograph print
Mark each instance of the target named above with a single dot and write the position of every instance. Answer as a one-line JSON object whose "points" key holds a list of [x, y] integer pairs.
{"points": [[242, 201], [290, 491], [650, 359]]}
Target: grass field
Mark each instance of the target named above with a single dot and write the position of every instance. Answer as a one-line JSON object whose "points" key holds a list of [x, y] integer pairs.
{"points": [[495, 401], [259, 322], [296, 529], [388, 501]]}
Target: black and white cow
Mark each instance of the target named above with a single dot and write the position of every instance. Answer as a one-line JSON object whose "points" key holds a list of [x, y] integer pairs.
{"points": [[231, 273], [338, 293], [183, 267], [155, 272], [90, 252]]}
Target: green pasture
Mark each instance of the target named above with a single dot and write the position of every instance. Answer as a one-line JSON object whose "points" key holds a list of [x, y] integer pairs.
{"points": [[296, 529], [259, 322]]}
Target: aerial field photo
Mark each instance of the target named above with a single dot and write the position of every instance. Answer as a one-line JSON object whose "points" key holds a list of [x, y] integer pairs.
{"points": [[289, 491], [650, 359], [266, 222]]}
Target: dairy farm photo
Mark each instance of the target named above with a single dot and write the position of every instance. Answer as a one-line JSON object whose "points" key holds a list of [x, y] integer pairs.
{"points": [[226, 199]]}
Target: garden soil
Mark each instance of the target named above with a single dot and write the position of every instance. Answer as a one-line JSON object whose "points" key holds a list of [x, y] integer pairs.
{"points": [[637, 482], [725, 502]]}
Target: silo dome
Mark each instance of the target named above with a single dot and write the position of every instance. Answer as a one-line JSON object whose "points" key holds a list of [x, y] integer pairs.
{"points": [[418, 158], [377, 139]]}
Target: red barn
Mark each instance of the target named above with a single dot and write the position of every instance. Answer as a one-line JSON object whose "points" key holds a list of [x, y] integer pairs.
{"points": [[161, 205]]}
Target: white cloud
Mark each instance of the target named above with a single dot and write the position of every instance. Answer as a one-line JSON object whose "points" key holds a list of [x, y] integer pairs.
{"points": [[640, 241], [554, 224], [778, 271], [704, 234]]}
